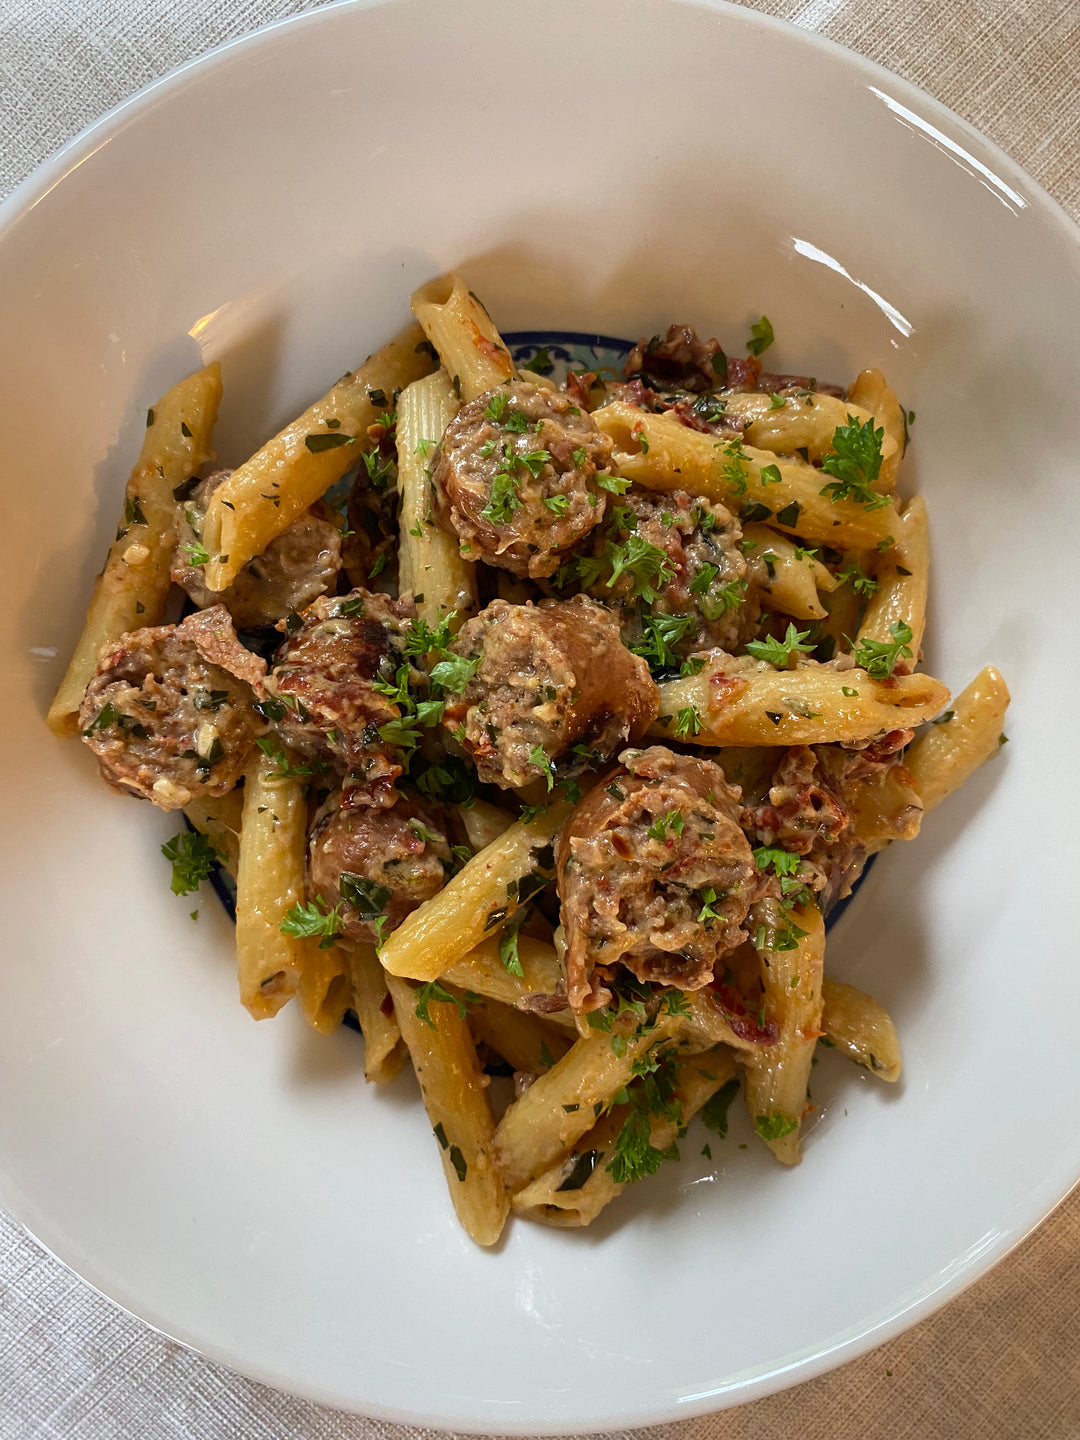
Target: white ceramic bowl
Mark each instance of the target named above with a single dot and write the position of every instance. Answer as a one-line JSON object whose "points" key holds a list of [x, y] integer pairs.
{"points": [[610, 167]]}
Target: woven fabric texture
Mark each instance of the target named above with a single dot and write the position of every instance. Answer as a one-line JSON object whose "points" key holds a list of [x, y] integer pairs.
{"points": [[1002, 1362]]}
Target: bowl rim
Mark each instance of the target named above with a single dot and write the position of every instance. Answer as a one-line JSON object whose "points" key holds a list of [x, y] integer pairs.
{"points": [[965, 1269]]}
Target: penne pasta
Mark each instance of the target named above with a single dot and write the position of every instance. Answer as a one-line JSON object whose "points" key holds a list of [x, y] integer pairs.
{"points": [[132, 589], [855, 1024], [947, 753], [741, 701], [269, 881], [456, 1100], [479, 897], [219, 818], [263, 497], [808, 422], [563, 1103], [324, 991], [793, 576], [384, 1054], [470, 347], [527, 1042], [429, 561], [871, 392], [572, 1192], [663, 454], [484, 822], [903, 577], [483, 972], [791, 945]]}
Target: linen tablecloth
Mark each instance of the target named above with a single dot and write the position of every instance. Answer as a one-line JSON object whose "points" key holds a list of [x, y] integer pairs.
{"points": [[1002, 1362]]}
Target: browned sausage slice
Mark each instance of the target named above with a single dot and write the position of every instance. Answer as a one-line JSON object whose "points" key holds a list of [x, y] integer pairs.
{"points": [[553, 683], [654, 873], [169, 712], [377, 862], [297, 567], [515, 477]]}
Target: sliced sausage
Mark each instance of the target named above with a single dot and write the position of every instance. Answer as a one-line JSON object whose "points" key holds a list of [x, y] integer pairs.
{"points": [[377, 862], [551, 683], [515, 477], [325, 687], [653, 873], [704, 584], [169, 713], [297, 567]]}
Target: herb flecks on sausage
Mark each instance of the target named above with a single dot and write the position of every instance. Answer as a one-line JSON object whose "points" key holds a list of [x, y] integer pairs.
{"points": [[169, 712], [515, 478], [553, 685], [377, 864], [654, 873]]}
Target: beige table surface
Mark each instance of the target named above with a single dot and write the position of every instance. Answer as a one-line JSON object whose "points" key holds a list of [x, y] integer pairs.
{"points": [[1002, 1362]]}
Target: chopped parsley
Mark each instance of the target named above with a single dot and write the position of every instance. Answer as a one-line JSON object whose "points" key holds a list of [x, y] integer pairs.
{"points": [[672, 821], [193, 858], [858, 579], [327, 440], [855, 463], [540, 363], [308, 922], [197, 553], [687, 722], [761, 336], [715, 1110], [508, 944], [879, 657], [434, 992], [775, 1127], [780, 652]]}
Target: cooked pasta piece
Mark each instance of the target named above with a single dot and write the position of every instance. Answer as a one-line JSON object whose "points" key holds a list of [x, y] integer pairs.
{"points": [[807, 422], [484, 822], [483, 972], [793, 575], [457, 1103], [573, 1191], [263, 497], [471, 349], [384, 1052], [855, 1024], [791, 945], [663, 454], [903, 576], [325, 989], [872, 393], [557, 1109], [479, 897], [219, 818], [429, 561], [526, 1042], [947, 753], [131, 590], [741, 701], [269, 882]]}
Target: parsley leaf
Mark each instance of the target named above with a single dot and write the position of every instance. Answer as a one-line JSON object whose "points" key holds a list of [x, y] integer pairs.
{"points": [[761, 336], [687, 722], [454, 673], [508, 944], [775, 1127], [672, 821], [780, 652], [855, 461], [858, 579], [435, 992], [878, 657], [505, 498], [646, 565], [540, 363], [193, 857], [308, 921], [330, 440], [715, 1110]]}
